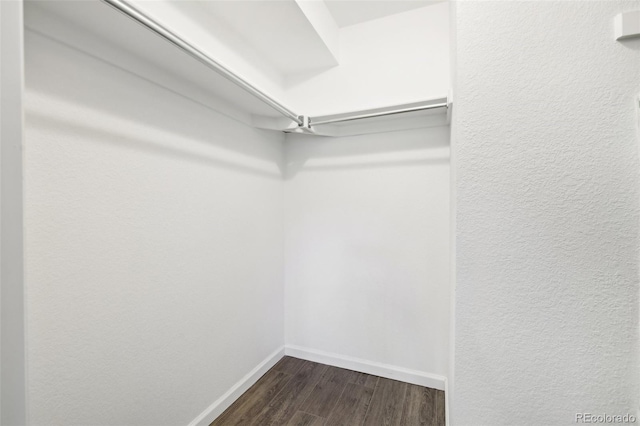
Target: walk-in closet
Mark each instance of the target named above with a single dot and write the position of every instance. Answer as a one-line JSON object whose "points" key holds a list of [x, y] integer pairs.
{"points": [[318, 212]]}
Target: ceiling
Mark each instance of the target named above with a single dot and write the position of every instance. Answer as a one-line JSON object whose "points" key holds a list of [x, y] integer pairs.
{"points": [[350, 12]]}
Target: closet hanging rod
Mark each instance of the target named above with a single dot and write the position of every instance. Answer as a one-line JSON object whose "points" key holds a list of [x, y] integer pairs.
{"points": [[338, 118], [140, 17]]}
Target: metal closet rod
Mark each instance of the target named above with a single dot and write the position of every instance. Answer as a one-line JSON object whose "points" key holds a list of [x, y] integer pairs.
{"points": [[329, 119], [146, 21]]}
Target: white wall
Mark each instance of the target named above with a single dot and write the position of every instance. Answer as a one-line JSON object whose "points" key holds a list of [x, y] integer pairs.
{"points": [[546, 162], [154, 245], [12, 365], [397, 59], [366, 224]]}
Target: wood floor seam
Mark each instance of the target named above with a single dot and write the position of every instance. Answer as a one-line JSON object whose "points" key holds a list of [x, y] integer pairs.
{"points": [[337, 400], [364, 419]]}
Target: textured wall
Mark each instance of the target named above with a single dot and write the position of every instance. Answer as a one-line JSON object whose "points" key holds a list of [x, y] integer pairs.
{"points": [[546, 161], [153, 245], [366, 224]]}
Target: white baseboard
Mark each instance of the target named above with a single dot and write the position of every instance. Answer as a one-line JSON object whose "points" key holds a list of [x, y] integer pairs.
{"points": [[374, 368], [214, 410]]}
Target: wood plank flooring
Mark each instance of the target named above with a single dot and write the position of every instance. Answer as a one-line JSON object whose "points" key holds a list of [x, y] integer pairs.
{"points": [[304, 393]]}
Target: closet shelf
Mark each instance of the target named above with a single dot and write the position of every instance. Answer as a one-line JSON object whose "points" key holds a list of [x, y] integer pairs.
{"points": [[304, 123], [140, 17], [146, 53]]}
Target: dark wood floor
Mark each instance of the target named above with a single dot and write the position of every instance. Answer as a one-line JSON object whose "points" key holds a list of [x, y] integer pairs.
{"points": [[304, 393]]}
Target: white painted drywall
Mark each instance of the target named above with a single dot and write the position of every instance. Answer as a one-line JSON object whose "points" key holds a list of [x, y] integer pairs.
{"points": [[367, 225], [154, 245], [317, 14], [12, 342], [546, 158], [348, 12], [397, 59]]}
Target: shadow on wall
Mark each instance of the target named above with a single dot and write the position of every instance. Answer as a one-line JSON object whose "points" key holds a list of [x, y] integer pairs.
{"points": [[95, 134], [632, 43], [408, 147], [106, 103]]}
